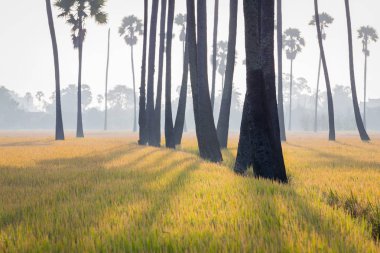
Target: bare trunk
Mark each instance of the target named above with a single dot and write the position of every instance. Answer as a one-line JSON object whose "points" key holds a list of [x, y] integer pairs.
{"points": [[214, 51], [106, 90], [79, 109], [365, 90], [290, 96], [279, 74], [317, 96], [134, 92]]}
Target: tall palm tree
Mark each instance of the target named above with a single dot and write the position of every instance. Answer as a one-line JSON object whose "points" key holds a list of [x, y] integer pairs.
{"points": [[106, 90], [330, 103], [59, 133], [225, 108], [76, 12], [204, 120], [359, 122], [214, 51], [130, 28], [325, 20], [169, 128], [367, 34], [280, 91], [143, 138], [180, 20], [292, 43], [221, 59]]}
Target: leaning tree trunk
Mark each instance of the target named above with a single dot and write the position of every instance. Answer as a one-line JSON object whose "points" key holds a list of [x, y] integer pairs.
{"points": [[225, 108], [214, 51], [142, 110], [317, 96], [365, 86], [59, 133], [290, 96], [169, 128], [260, 143], [179, 126], [208, 144], [151, 69], [359, 122], [330, 103], [79, 109], [106, 90], [157, 111], [134, 92], [280, 91]]}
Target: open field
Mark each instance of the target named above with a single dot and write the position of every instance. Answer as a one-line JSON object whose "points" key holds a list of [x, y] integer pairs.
{"points": [[105, 193]]}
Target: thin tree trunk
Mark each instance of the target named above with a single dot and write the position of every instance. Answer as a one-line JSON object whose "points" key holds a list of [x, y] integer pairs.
{"points": [[365, 90], [156, 141], [330, 102], [225, 108], [134, 92], [59, 132], [151, 69], [79, 112], [106, 90], [279, 75], [214, 51], [317, 96], [290, 95], [359, 122]]}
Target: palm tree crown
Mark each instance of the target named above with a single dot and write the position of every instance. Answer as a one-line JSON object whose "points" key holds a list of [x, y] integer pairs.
{"points": [[293, 42], [367, 34], [130, 27], [325, 20], [181, 20], [77, 11]]}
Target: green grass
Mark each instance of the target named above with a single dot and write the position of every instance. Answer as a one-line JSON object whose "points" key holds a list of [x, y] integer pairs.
{"points": [[106, 194]]}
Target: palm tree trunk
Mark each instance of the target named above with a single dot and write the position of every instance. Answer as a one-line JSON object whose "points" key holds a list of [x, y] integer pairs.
{"points": [[142, 99], [59, 132], [365, 90], [151, 69], [290, 95], [279, 75], [134, 92], [157, 111], [106, 91], [359, 122], [330, 102], [225, 108], [214, 51], [79, 109], [317, 96], [169, 128]]}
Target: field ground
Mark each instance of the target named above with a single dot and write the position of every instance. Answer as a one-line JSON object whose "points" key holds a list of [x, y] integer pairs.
{"points": [[105, 193]]}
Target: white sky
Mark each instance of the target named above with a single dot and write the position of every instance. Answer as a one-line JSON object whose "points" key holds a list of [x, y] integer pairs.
{"points": [[26, 62]]}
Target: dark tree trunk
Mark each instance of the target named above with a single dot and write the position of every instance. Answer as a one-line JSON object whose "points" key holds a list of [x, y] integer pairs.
{"points": [[169, 128], [260, 143], [151, 69], [79, 109], [142, 100], [106, 90], [181, 112], [208, 144], [214, 51], [365, 87], [317, 96], [330, 103], [156, 140], [290, 96], [280, 92], [359, 122], [59, 133], [225, 108], [134, 92]]}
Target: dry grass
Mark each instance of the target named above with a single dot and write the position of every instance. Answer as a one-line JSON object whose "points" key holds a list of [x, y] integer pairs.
{"points": [[105, 193]]}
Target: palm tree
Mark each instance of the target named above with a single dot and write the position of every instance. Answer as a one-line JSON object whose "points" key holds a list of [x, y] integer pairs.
{"points": [[221, 59], [59, 133], [367, 34], [106, 90], [325, 20], [76, 12], [180, 20], [130, 28], [225, 108], [359, 122], [260, 142], [169, 128], [204, 120], [292, 43], [214, 51], [142, 99], [319, 23], [279, 76]]}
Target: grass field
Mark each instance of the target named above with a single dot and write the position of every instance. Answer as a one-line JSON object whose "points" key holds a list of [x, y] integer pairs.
{"points": [[105, 193]]}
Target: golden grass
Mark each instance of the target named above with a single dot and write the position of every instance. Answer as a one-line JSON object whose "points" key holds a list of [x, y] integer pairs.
{"points": [[105, 193]]}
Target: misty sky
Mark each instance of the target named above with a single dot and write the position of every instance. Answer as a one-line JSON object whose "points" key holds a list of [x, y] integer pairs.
{"points": [[26, 62]]}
